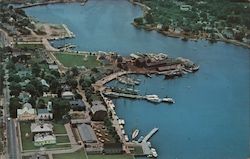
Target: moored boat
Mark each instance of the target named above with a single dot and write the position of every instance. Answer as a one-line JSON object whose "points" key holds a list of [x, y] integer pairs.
{"points": [[153, 98], [154, 153], [135, 134], [168, 100], [140, 139]]}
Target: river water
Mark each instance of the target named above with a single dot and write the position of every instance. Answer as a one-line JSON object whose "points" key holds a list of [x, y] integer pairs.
{"points": [[210, 119]]}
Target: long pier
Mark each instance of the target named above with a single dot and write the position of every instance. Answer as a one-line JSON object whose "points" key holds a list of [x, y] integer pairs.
{"points": [[152, 132], [124, 95]]}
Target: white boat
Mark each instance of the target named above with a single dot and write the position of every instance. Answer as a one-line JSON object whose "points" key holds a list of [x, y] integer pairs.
{"points": [[154, 153], [149, 144], [126, 138], [196, 68], [153, 98], [135, 134], [168, 100], [121, 122], [140, 139]]}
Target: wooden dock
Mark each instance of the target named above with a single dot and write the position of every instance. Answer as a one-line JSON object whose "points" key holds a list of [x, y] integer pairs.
{"points": [[124, 95], [152, 132]]}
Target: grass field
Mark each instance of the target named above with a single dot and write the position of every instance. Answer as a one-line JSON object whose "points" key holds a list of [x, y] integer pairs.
{"points": [[59, 128], [81, 155], [71, 60], [26, 141], [62, 139], [76, 155]]}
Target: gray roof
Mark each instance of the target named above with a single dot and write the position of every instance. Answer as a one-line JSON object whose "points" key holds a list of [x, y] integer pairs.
{"points": [[87, 133], [42, 111], [76, 103], [96, 108]]}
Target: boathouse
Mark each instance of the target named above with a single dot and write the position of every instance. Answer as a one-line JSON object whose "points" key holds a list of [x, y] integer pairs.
{"points": [[87, 133], [98, 111]]}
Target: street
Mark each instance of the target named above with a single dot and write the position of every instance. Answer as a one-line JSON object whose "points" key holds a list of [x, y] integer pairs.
{"points": [[12, 143]]}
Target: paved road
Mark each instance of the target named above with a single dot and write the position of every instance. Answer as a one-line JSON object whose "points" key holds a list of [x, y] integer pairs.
{"points": [[12, 140], [12, 143]]}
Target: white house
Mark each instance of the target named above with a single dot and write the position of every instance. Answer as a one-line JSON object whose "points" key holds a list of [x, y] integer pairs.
{"points": [[67, 95], [44, 139], [26, 113], [41, 128]]}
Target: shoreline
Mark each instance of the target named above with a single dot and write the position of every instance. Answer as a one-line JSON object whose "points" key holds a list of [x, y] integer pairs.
{"points": [[44, 3], [191, 37], [146, 28]]}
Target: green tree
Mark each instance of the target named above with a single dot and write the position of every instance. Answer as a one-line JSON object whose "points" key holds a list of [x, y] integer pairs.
{"points": [[36, 69], [15, 89], [74, 71], [14, 78], [14, 105], [60, 108], [55, 86]]}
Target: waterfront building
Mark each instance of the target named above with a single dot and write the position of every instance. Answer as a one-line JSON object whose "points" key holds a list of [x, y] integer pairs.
{"points": [[98, 111], [87, 133]]}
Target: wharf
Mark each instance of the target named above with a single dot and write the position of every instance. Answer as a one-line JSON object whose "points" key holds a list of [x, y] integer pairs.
{"points": [[114, 94], [145, 146], [152, 132]]}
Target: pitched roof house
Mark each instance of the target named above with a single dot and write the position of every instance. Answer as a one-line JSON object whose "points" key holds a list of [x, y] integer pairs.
{"points": [[26, 113]]}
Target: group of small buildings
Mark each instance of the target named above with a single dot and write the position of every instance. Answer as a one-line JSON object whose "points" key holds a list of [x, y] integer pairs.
{"points": [[161, 64], [41, 131], [28, 113]]}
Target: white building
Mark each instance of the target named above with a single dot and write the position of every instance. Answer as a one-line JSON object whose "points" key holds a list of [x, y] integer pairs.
{"points": [[26, 113], [44, 139], [67, 95]]}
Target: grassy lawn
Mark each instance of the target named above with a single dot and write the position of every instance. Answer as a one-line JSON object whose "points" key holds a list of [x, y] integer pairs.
{"points": [[62, 139], [28, 157], [110, 157], [59, 128], [26, 141], [76, 155], [70, 60]]}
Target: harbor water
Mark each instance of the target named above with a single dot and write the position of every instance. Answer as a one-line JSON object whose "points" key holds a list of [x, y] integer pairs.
{"points": [[210, 119]]}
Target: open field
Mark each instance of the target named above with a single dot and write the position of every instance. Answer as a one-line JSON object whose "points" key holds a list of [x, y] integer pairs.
{"points": [[62, 139], [70, 60], [76, 155], [59, 128]]}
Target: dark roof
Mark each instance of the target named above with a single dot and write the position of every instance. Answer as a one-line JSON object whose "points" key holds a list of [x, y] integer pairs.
{"points": [[87, 133], [76, 103], [97, 106]]}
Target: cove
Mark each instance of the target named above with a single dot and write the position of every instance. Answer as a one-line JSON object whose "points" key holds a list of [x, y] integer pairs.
{"points": [[211, 116]]}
